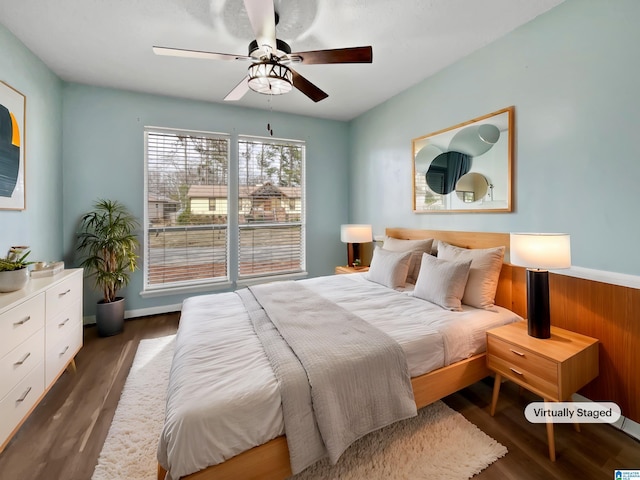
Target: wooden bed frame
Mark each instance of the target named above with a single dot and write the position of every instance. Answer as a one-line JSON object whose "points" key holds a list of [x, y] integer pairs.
{"points": [[270, 461]]}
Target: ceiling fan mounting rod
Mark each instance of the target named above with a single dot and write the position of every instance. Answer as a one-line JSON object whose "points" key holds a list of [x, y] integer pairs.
{"points": [[282, 48]]}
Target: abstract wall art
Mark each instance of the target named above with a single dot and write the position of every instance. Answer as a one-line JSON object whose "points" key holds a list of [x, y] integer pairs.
{"points": [[12, 148]]}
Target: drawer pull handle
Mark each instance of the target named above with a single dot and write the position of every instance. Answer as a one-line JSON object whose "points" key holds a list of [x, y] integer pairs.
{"points": [[60, 325], [520, 354], [24, 395], [23, 321], [64, 351], [517, 372], [24, 359], [64, 293]]}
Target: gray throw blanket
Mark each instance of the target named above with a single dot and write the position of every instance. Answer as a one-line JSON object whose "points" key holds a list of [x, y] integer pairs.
{"points": [[356, 375]]}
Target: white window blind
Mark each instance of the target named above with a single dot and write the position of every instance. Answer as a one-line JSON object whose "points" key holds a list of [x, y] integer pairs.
{"points": [[186, 214], [270, 207]]}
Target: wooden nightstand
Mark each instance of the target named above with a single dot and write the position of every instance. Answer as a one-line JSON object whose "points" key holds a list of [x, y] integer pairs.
{"points": [[346, 269], [554, 368]]}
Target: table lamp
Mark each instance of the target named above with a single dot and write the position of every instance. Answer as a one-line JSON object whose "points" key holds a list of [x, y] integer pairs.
{"points": [[540, 252], [353, 235]]}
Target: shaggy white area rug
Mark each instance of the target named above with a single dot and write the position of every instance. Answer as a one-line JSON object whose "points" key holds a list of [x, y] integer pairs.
{"points": [[437, 444], [129, 451]]}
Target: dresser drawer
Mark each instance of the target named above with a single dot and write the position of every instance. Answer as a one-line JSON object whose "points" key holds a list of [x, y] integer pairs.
{"points": [[16, 364], [523, 366], [61, 296], [61, 353], [19, 401], [22, 321], [61, 326]]}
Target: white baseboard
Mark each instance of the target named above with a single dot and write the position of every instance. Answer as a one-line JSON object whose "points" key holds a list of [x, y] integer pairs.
{"points": [[140, 312], [625, 424]]}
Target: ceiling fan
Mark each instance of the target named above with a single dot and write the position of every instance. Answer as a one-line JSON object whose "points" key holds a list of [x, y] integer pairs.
{"points": [[270, 72]]}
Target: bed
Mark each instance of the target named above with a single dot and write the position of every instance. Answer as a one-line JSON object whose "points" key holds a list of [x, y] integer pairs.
{"points": [[223, 361]]}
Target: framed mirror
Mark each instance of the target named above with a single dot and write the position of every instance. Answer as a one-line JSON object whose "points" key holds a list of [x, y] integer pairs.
{"points": [[465, 168]]}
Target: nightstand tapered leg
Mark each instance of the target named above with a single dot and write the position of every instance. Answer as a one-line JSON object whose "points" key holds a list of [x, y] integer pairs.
{"points": [[496, 392], [551, 439]]}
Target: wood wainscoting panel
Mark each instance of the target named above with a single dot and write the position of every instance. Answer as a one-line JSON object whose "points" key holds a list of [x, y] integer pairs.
{"points": [[610, 313]]}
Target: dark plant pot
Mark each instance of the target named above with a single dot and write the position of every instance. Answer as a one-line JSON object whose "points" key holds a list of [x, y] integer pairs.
{"points": [[110, 317]]}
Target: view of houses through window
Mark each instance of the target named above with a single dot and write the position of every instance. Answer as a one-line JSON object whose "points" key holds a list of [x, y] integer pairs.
{"points": [[189, 208], [270, 207]]}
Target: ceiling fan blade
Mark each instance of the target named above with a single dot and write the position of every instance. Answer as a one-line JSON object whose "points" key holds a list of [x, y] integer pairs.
{"points": [[179, 52], [238, 91], [308, 88], [338, 55], [262, 16]]}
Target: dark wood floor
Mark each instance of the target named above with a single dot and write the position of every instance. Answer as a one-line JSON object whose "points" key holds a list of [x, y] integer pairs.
{"points": [[63, 437]]}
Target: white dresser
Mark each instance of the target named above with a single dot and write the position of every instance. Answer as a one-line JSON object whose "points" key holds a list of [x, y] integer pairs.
{"points": [[40, 334]]}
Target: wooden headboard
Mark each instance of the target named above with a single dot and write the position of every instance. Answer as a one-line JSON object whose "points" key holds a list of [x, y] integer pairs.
{"points": [[511, 285]]}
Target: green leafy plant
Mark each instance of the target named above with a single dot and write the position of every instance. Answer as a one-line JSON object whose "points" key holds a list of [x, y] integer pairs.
{"points": [[108, 243], [15, 260]]}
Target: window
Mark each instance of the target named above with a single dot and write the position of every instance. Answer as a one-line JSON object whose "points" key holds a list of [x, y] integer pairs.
{"points": [[189, 214], [271, 213], [185, 242]]}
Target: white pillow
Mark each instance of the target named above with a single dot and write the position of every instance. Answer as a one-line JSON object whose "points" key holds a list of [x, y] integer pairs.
{"points": [[484, 274], [417, 247], [389, 268], [442, 282]]}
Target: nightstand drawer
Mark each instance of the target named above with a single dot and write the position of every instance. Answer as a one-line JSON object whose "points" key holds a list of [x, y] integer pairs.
{"points": [[523, 366]]}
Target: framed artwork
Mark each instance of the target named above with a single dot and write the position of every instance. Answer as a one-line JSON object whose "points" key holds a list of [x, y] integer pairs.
{"points": [[12, 146], [465, 168]]}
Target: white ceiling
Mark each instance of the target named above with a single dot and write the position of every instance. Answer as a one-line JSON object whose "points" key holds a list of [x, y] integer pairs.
{"points": [[108, 43]]}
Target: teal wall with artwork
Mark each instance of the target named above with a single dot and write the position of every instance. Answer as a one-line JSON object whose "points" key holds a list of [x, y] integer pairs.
{"points": [[572, 75], [104, 158], [40, 224]]}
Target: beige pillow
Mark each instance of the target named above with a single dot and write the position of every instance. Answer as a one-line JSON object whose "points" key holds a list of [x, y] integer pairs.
{"points": [[389, 268], [442, 282], [483, 276], [417, 247]]}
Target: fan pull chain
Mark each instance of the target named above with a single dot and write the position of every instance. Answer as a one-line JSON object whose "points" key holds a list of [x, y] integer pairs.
{"points": [[269, 129]]}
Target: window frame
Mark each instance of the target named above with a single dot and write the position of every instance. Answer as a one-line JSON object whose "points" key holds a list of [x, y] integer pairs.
{"points": [[302, 272], [149, 290], [233, 279]]}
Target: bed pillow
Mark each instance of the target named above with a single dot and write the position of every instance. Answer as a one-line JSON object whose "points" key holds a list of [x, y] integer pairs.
{"points": [[389, 268], [417, 247], [486, 264], [442, 282]]}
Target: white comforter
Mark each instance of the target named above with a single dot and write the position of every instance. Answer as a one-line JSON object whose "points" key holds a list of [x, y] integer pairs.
{"points": [[223, 397]]}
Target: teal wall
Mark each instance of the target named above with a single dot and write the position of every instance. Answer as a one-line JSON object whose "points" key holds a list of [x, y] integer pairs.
{"points": [[572, 75], [40, 225], [104, 158]]}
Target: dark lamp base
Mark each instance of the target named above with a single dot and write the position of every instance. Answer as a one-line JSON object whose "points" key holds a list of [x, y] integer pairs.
{"points": [[539, 319]]}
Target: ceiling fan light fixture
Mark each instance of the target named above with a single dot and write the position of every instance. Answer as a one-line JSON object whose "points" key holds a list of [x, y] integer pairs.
{"points": [[270, 78]]}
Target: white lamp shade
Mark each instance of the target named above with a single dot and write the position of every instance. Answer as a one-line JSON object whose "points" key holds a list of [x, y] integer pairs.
{"points": [[356, 233], [543, 251]]}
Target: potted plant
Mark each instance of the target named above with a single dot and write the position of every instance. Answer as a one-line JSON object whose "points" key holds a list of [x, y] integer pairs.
{"points": [[108, 243], [14, 273]]}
